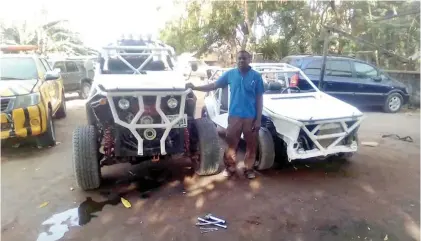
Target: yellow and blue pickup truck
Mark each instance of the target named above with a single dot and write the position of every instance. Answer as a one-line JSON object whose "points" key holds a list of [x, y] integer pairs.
{"points": [[31, 94]]}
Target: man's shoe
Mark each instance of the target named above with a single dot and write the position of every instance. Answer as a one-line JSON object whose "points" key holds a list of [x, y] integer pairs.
{"points": [[249, 174], [229, 173]]}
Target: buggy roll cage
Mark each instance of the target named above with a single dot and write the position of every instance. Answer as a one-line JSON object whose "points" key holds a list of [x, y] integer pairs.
{"points": [[271, 68], [158, 50], [151, 49]]}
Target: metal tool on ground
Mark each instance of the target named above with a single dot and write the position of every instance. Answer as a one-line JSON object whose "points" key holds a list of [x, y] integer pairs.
{"points": [[210, 219], [203, 228], [209, 216], [207, 222]]}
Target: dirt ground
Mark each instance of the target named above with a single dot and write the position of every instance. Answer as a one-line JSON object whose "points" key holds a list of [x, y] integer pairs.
{"points": [[374, 196]]}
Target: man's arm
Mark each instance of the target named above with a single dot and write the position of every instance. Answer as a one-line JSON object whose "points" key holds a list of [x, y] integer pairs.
{"points": [[259, 103], [220, 83]]}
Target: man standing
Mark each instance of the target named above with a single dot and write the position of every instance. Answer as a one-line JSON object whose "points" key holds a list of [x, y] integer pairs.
{"points": [[245, 111]]}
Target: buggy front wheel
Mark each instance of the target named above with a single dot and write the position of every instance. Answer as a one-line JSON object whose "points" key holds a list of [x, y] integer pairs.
{"points": [[266, 150], [211, 152], [85, 158]]}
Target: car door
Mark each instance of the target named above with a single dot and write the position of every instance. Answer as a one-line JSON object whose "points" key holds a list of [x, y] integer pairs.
{"points": [[312, 69], [64, 75], [372, 90], [339, 81], [55, 83], [74, 75], [49, 85]]}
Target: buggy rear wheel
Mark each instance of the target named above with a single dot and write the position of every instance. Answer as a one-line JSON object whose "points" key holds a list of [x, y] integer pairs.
{"points": [[211, 153], [266, 150], [85, 158]]}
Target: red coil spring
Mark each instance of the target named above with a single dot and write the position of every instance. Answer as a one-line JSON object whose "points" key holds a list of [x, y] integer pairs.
{"points": [[108, 141], [186, 141]]}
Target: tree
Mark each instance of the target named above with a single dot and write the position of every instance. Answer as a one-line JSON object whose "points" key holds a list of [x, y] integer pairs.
{"points": [[280, 28], [52, 36]]}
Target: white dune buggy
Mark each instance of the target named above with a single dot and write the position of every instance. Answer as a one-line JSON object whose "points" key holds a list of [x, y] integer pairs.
{"points": [[299, 121], [141, 114]]}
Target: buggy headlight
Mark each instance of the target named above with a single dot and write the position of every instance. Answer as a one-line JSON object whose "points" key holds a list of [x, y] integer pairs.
{"points": [[172, 103], [146, 120], [23, 101], [124, 104]]}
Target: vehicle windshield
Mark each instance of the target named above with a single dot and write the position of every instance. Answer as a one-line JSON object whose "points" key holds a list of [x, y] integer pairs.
{"points": [[279, 82], [17, 68]]}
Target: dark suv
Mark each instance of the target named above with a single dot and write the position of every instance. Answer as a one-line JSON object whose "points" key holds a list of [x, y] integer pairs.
{"points": [[353, 81]]}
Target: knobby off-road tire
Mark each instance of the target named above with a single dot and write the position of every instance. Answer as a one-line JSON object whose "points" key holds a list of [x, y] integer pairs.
{"points": [[211, 153], [266, 150], [85, 158], [48, 138], [62, 111]]}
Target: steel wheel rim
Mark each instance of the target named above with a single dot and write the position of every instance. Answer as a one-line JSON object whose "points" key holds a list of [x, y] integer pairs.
{"points": [[394, 103]]}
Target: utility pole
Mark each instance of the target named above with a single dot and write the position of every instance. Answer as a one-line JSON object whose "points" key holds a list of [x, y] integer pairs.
{"points": [[325, 53]]}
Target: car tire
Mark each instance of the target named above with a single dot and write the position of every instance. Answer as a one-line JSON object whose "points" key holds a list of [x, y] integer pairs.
{"points": [[84, 90], [348, 155], [49, 137], [393, 103], [85, 158], [211, 153], [265, 150], [62, 111], [204, 113]]}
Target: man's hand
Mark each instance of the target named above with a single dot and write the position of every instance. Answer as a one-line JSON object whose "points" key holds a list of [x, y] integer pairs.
{"points": [[256, 125], [190, 86]]}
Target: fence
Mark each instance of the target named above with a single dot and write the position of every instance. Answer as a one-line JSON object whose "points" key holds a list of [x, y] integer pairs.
{"points": [[412, 80]]}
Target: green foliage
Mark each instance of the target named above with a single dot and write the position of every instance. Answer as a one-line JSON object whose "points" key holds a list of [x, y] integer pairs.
{"points": [[296, 27]]}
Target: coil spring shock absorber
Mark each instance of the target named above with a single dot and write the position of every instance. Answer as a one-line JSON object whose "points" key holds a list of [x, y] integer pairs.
{"points": [[108, 141], [186, 141]]}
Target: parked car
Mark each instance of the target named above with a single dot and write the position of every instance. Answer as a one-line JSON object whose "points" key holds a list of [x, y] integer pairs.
{"points": [[354, 81], [31, 96], [296, 124], [77, 75]]}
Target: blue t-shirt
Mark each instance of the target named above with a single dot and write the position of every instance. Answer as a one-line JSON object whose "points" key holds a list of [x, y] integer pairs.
{"points": [[244, 88]]}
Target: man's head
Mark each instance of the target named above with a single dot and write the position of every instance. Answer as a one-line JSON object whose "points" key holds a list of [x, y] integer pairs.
{"points": [[243, 59]]}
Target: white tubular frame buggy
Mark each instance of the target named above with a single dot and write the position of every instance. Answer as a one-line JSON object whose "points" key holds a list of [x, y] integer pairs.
{"points": [[170, 122], [287, 127]]}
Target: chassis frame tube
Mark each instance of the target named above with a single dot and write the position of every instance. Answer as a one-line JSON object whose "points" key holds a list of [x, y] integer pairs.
{"points": [[167, 125]]}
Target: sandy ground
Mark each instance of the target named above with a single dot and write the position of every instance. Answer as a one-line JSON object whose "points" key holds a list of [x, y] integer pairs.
{"points": [[374, 196]]}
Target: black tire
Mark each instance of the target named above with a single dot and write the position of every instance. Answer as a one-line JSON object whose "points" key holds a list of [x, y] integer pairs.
{"points": [[211, 153], [204, 113], [62, 111], [266, 150], [49, 137], [393, 103], [85, 158], [83, 90], [349, 155]]}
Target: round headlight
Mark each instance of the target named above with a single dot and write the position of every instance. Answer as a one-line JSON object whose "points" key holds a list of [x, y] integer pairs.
{"points": [[146, 120], [172, 103], [124, 104]]}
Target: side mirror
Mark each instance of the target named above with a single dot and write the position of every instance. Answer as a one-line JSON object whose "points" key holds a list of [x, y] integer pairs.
{"points": [[377, 78], [50, 75], [194, 67], [58, 70]]}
